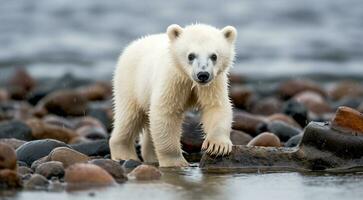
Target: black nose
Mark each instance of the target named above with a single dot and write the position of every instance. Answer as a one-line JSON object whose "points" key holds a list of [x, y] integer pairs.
{"points": [[203, 76]]}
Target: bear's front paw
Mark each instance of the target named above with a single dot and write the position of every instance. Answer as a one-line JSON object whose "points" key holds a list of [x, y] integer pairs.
{"points": [[217, 146]]}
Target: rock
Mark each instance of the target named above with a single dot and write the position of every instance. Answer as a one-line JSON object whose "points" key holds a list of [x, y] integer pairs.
{"points": [[65, 103], [36, 181], [22, 79], [265, 140], [87, 174], [96, 92], [67, 156], [352, 102], [348, 120], [267, 106], [283, 130], [58, 121], [102, 112], [290, 88], [41, 130], [51, 169], [236, 78], [192, 135], [4, 95], [246, 122], [7, 157], [15, 129], [346, 89], [24, 170], [14, 143], [87, 121], [112, 167], [315, 102], [94, 148], [360, 108], [38, 162], [241, 97], [129, 165], [21, 163], [9, 179], [240, 138], [293, 141], [145, 172], [34, 150], [297, 111], [284, 118], [91, 132]]}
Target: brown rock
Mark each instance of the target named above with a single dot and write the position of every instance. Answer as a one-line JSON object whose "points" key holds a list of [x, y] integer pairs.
{"points": [[58, 121], [22, 79], [87, 174], [97, 91], [346, 89], [50, 169], [290, 88], [41, 130], [67, 156], [267, 106], [22, 170], [145, 172], [315, 102], [241, 97], [7, 157], [14, 143], [265, 140], [87, 121], [114, 168], [348, 120], [38, 162], [283, 118], [64, 103], [9, 179], [240, 138], [246, 122], [36, 181], [4, 95], [236, 78]]}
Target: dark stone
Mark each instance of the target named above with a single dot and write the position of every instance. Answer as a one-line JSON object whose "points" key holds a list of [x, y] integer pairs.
{"points": [[283, 130], [51, 169], [94, 148], [112, 167], [321, 149], [192, 135], [294, 141], [101, 111], [240, 138], [15, 129], [246, 122], [130, 164], [297, 111], [33, 150]]}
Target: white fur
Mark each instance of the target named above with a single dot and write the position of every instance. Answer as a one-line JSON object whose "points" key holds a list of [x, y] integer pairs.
{"points": [[153, 87]]}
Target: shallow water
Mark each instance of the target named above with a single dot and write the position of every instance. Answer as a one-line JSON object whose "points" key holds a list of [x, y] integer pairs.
{"points": [[282, 37], [192, 183]]}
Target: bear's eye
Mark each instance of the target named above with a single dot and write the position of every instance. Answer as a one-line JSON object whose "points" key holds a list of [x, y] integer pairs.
{"points": [[191, 56], [213, 57]]}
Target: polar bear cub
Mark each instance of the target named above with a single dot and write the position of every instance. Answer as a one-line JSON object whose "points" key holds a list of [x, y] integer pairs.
{"points": [[158, 78]]}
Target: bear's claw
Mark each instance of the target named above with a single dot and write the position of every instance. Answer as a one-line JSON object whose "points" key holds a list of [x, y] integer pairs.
{"points": [[217, 148]]}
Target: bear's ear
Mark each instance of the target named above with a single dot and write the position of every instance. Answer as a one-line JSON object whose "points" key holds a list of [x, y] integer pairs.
{"points": [[174, 31], [230, 33]]}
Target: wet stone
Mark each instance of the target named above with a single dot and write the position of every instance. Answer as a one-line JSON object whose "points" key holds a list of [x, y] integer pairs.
{"points": [[265, 140], [15, 129], [34, 150], [114, 168], [129, 165], [7, 157], [293, 141], [145, 172], [297, 111], [67, 156], [348, 120], [94, 148], [36, 181], [283, 130], [51, 169], [240, 138], [247, 123], [87, 175]]}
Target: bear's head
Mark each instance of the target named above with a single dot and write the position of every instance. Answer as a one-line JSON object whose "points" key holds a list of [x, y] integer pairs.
{"points": [[201, 51]]}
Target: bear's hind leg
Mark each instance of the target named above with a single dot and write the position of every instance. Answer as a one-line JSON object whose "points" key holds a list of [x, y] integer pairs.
{"points": [[129, 120]]}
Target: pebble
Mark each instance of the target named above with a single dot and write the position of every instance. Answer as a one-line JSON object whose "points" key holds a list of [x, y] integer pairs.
{"points": [[65, 103], [88, 174], [36, 181], [41, 130], [283, 130], [129, 165], [24, 170], [267, 106], [348, 120], [67, 156], [239, 137], [145, 172], [14, 143], [22, 79], [114, 168], [290, 88], [93, 148], [9, 179], [265, 140], [51, 169], [246, 122], [36, 149], [7, 157], [15, 129], [313, 101]]}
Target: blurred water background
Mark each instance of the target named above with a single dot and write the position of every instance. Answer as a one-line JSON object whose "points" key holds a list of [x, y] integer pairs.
{"points": [[276, 38]]}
